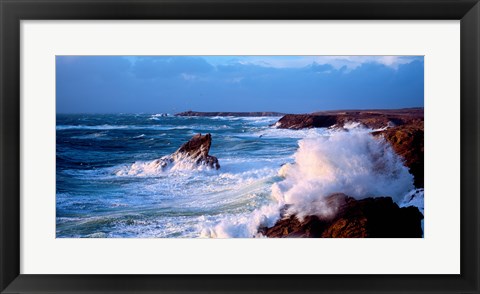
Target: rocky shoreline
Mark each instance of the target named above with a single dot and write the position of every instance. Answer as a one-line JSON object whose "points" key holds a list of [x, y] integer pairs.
{"points": [[371, 217], [402, 128], [407, 141], [374, 119], [367, 218], [376, 217], [237, 114]]}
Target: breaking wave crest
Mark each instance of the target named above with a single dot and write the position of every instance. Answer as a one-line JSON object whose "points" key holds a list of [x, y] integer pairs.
{"points": [[353, 163], [159, 166]]}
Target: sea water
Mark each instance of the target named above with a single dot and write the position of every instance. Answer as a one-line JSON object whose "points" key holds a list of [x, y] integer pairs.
{"points": [[107, 185]]}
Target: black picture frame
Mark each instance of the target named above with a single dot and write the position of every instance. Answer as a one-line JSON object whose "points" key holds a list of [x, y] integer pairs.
{"points": [[13, 11]]}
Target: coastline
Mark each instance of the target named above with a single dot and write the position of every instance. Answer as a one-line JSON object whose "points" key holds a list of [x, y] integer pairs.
{"points": [[378, 217], [230, 113], [374, 217], [262, 164]]}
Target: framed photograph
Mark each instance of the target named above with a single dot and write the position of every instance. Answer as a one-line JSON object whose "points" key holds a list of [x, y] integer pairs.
{"points": [[275, 146]]}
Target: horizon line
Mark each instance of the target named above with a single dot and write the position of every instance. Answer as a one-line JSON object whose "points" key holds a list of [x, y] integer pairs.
{"points": [[315, 111]]}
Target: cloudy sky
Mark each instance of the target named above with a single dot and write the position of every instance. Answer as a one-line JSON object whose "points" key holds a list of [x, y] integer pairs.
{"points": [[291, 84]]}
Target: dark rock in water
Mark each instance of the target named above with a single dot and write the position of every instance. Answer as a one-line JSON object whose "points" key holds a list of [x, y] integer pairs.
{"points": [[196, 150], [407, 141], [366, 218]]}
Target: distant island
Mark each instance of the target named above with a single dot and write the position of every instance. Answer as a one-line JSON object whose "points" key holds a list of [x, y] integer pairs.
{"points": [[258, 113]]}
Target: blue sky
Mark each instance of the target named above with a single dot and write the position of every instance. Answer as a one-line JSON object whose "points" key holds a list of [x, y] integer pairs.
{"points": [[290, 84]]}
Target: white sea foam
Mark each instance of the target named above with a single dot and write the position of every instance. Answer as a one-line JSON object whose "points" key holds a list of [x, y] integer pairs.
{"points": [[358, 127], [351, 125], [414, 198], [98, 136], [121, 127], [276, 132], [260, 120], [273, 132], [354, 163], [247, 192], [244, 226], [161, 165], [141, 168], [85, 127], [253, 119], [158, 115]]}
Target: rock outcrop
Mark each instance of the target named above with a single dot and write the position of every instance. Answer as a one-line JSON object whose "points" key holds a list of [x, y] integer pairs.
{"points": [[407, 141], [366, 218], [302, 121], [199, 113], [370, 217], [374, 119], [195, 150], [403, 129]]}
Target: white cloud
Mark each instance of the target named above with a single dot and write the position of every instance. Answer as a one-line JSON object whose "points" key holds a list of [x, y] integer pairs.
{"points": [[337, 62]]}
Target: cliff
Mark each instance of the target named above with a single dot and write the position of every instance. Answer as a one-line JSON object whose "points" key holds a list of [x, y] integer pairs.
{"points": [[407, 141]]}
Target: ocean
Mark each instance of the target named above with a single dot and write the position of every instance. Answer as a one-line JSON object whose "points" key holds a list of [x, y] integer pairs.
{"points": [[107, 186]]}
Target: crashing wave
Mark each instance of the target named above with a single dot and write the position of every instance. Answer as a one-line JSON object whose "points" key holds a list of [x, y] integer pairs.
{"points": [[191, 155], [353, 163]]}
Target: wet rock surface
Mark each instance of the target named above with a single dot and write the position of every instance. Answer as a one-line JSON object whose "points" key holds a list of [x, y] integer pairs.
{"points": [[367, 218], [196, 150], [407, 141]]}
